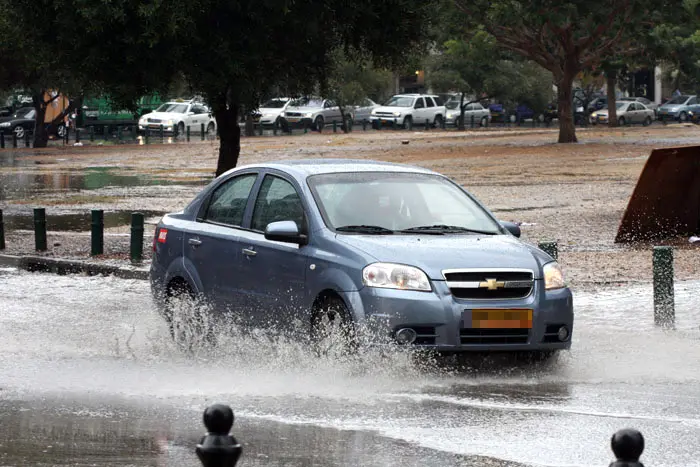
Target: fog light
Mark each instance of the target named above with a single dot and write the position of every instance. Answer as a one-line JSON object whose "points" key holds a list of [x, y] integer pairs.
{"points": [[406, 336], [563, 333]]}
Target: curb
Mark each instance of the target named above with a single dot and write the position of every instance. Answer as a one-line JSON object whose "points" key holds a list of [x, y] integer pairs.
{"points": [[63, 266]]}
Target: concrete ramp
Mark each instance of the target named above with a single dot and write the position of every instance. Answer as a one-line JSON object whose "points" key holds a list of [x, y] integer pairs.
{"points": [[666, 201]]}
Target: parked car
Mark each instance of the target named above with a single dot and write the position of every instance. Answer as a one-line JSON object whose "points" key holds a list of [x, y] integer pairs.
{"points": [[177, 116], [270, 112], [363, 111], [409, 109], [389, 253], [642, 100], [676, 108], [313, 112], [598, 103], [22, 121], [474, 112], [627, 112], [498, 113]]}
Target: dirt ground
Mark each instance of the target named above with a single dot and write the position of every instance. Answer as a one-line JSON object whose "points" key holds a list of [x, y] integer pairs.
{"points": [[574, 194]]}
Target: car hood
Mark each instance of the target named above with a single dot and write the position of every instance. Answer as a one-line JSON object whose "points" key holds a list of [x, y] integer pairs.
{"points": [[303, 109], [671, 108], [434, 253], [270, 110], [163, 115], [382, 108]]}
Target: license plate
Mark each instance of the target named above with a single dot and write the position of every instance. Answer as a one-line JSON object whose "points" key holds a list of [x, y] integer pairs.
{"points": [[601, 119], [501, 318], [293, 119]]}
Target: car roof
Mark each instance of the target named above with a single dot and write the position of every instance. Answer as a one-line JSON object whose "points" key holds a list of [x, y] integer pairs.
{"points": [[305, 167]]}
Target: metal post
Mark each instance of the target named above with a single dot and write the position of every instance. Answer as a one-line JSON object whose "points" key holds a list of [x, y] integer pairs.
{"points": [[2, 232], [97, 233], [134, 133], [147, 134], [472, 120], [162, 132], [627, 445], [119, 133], [364, 125], [14, 140], [260, 128], [77, 135], [218, 448], [106, 132], [91, 130], [394, 124], [26, 139], [66, 136], [335, 126], [201, 131], [40, 229], [550, 248], [2, 140], [427, 124], [188, 133], [136, 237], [664, 312]]}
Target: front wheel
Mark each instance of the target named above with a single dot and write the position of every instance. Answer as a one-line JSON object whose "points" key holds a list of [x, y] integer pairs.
{"points": [[408, 122], [211, 129], [647, 121], [438, 121], [318, 124], [332, 328], [19, 132], [621, 121], [180, 128], [683, 117], [484, 121]]}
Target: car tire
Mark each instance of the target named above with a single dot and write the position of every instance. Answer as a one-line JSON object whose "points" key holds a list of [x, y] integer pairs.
{"points": [[438, 121], [19, 131], [318, 124], [540, 356], [189, 322], [181, 129], [484, 121], [211, 129], [621, 121], [683, 117], [333, 331], [647, 121], [408, 122]]}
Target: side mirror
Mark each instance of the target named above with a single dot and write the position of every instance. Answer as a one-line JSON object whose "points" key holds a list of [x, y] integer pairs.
{"points": [[189, 114], [284, 231], [512, 228]]}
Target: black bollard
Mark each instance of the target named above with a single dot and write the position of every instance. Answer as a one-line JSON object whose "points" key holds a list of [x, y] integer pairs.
{"points": [[188, 133], [97, 232], [627, 445], [14, 140], [2, 232], [77, 135], [201, 132], [40, 229], [218, 448], [2, 140], [136, 245], [91, 131], [26, 139]]}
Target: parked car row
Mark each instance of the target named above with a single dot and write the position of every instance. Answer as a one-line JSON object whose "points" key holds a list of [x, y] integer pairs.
{"points": [[22, 122]]}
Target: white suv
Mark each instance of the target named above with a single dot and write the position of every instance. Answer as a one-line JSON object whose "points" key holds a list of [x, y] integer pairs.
{"points": [[410, 109], [177, 116]]}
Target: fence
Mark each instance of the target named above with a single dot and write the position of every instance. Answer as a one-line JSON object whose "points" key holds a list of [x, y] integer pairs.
{"points": [[218, 448]]}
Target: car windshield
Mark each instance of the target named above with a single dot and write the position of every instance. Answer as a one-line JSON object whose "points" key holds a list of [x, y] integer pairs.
{"points": [[174, 108], [620, 105], [678, 100], [24, 112], [390, 202], [452, 104], [400, 102], [273, 104], [305, 102]]}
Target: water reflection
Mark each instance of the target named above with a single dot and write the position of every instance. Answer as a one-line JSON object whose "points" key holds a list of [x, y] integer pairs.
{"points": [[19, 185]]}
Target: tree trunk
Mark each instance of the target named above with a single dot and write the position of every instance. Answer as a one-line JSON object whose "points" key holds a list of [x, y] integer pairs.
{"points": [[343, 116], [567, 130], [229, 135], [41, 135], [461, 112], [611, 79]]}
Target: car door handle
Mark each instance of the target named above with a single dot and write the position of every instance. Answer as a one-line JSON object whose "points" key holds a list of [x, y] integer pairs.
{"points": [[194, 241], [249, 252]]}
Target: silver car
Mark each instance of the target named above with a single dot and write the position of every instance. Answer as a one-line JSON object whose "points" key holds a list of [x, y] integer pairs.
{"points": [[314, 113], [474, 114], [627, 113], [389, 254], [677, 108]]}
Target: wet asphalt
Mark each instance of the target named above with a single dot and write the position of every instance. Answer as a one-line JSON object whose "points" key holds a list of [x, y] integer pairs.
{"points": [[89, 376]]}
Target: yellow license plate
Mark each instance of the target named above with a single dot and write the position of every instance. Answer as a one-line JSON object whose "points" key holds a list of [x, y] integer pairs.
{"points": [[293, 119], [502, 319]]}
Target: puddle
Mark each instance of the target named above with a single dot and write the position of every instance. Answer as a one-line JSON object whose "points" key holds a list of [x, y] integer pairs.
{"points": [[23, 184], [74, 222]]}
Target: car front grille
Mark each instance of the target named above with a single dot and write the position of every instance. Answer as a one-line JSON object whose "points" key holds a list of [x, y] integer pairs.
{"points": [[154, 120], [493, 336], [293, 114], [385, 114], [488, 284]]}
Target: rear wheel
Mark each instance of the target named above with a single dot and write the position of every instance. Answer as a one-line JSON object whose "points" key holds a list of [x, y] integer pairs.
{"points": [[189, 322], [332, 329], [211, 129]]}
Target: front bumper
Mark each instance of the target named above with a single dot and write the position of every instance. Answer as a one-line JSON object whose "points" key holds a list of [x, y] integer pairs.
{"points": [[665, 116], [443, 322]]}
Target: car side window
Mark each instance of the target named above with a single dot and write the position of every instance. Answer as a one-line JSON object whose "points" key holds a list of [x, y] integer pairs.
{"points": [[470, 107], [419, 103], [693, 100], [277, 200], [438, 101], [229, 200], [429, 102]]}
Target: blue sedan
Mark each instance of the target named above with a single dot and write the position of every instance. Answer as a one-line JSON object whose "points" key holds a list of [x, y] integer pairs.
{"points": [[388, 254]]}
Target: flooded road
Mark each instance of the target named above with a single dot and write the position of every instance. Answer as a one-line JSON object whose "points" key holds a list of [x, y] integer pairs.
{"points": [[89, 375]]}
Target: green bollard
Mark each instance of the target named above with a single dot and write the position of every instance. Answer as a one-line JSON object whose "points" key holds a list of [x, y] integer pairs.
{"points": [[162, 133], [664, 312], [188, 133], [40, 229], [106, 132], [91, 131], [201, 131], [97, 233], [119, 133], [148, 133], [2, 232], [260, 127], [427, 124], [335, 126], [26, 139], [394, 124], [550, 248], [2, 140], [77, 135], [14, 140], [136, 237], [364, 124]]}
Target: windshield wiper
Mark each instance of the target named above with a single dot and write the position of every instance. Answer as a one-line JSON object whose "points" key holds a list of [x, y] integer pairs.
{"points": [[439, 229], [371, 229]]}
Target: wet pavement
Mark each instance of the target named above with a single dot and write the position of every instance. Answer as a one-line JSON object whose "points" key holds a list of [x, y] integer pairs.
{"points": [[89, 376]]}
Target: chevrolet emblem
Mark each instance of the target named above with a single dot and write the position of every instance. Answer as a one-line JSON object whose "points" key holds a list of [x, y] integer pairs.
{"points": [[491, 284]]}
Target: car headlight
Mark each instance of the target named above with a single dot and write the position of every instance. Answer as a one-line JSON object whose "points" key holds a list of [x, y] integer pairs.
{"points": [[374, 112], [395, 276], [594, 115], [397, 114], [5, 125], [553, 276], [308, 114]]}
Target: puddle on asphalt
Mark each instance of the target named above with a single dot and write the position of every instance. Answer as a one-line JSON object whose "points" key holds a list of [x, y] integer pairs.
{"points": [[74, 222], [18, 185]]}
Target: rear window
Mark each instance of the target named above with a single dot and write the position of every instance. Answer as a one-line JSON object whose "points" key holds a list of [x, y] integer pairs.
{"points": [[438, 101]]}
